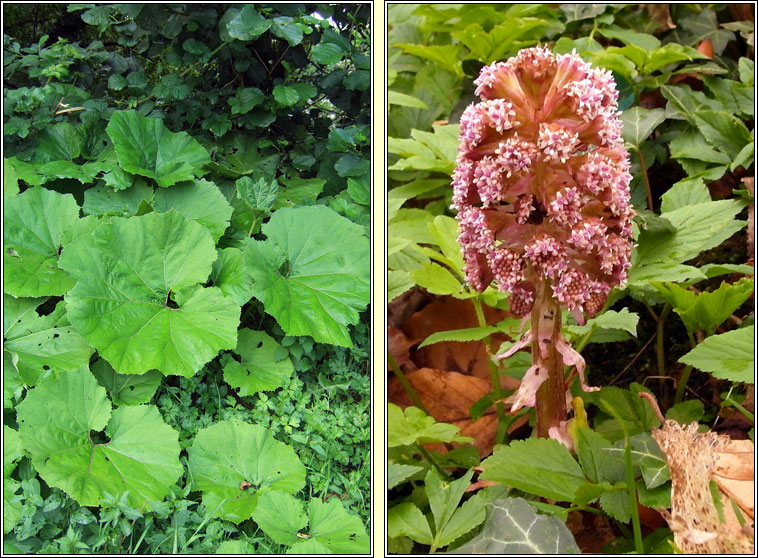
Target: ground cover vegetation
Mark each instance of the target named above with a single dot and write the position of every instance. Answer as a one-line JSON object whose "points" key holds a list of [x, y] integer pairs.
{"points": [[570, 278], [186, 349]]}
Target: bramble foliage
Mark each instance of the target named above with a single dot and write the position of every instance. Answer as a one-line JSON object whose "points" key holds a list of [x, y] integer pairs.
{"points": [[685, 76], [186, 206]]}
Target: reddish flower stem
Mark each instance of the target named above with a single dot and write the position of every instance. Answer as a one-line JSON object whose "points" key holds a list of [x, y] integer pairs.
{"points": [[546, 330]]}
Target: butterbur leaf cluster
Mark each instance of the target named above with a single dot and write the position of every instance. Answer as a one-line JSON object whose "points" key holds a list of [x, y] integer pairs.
{"points": [[541, 184], [179, 221]]}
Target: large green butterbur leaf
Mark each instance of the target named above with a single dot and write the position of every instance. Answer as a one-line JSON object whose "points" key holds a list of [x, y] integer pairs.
{"points": [[331, 530], [146, 147], [312, 272], [39, 343], [56, 421], [265, 363], [137, 298], [32, 235], [199, 201], [235, 463]]}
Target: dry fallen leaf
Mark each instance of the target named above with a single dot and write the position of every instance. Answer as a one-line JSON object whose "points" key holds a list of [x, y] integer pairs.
{"points": [[445, 314], [693, 517]]}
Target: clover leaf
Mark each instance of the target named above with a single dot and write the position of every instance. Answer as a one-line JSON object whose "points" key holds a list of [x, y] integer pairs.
{"points": [[146, 147], [32, 234], [235, 463], [312, 272], [59, 422], [137, 298]]}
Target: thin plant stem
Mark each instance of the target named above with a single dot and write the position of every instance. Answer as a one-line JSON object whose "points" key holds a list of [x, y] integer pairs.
{"points": [[660, 354], [682, 384], [433, 462], [748, 415], [405, 383], [684, 378], [643, 168], [497, 390]]}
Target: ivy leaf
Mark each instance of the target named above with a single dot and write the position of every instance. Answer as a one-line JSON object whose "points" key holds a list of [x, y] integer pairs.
{"points": [[229, 275], [32, 236], [414, 426], [286, 95], [200, 201], [247, 25], [56, 421], [126, 389], [146, 147], [229, 453], [246, 99], [538, 466], [137, 299], [327, 54], [312, 272], [265, 364], [513, 527], [727, 356], [639, 123], [40, 343]]}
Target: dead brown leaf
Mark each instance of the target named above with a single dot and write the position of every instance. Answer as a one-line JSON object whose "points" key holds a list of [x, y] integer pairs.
{"points": [[445, 314], [693, 517]]}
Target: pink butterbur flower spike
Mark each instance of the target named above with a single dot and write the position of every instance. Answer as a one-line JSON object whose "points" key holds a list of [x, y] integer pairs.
{"points": [[541, 188]]}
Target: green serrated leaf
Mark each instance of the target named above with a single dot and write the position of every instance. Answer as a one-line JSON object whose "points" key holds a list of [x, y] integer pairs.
{"points": [[327, 54], [126, 389], [414, 426], [259, 195], [264, 366], [32, 237], [247, 25], [40, 343], [728, 356], [398, 473], [229, 453], [137, 298], [199, 201], [406, 520], [56, 420], [312, 272], [286, 95], [539, 466], [146, 147], [639, 123]]}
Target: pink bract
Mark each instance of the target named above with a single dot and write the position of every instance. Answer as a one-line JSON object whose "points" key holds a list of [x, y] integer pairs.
{"points": [[542, 182]]}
